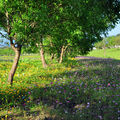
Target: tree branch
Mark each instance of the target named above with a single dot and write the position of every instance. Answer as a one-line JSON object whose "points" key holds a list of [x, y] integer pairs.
{"points": [[66, 47], [4, 36]]}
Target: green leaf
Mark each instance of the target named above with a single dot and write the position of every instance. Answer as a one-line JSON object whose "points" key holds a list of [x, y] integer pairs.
{"points": [[57, 17], [20, 21], [61, 9], [54, 4]]}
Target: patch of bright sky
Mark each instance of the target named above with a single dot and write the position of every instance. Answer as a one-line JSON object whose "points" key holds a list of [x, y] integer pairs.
{"points": [[114, 31]]}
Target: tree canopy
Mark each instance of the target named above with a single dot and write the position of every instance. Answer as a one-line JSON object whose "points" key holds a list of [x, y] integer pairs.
{"points": [[27, 22]]}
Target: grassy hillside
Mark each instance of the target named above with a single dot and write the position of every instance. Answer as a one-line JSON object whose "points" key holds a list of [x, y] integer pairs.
{"points": [[110, 53]]}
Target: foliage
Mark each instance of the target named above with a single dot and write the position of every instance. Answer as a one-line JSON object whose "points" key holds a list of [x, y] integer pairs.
{"points": [[28, 23], [99, 45], [28, 50], [109, 42], [117, 40], [118, 35], [88, 20]]}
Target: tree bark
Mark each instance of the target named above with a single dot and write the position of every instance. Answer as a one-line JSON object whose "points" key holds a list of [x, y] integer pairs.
{"points": [[61, 54], [104, 51], [17, 51], [63, 49], [104, 48], [42, 55]]}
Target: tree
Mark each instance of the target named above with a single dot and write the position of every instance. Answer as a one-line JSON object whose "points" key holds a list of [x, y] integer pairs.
{"points": [[111, 42], [117, 40], [23, 20], [27, 22], [91, 21], [7, 24], [17, 18]]}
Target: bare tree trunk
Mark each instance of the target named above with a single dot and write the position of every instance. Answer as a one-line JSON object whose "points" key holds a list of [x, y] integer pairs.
{"points": [[104, 48], [104, 51], [63, 49], [17, 51], [42, 55], [61, 54]]}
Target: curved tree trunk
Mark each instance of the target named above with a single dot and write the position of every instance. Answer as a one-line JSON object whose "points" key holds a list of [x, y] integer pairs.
{"points": [[61, 54], [42, 55], [17, 51], [63, 49]]}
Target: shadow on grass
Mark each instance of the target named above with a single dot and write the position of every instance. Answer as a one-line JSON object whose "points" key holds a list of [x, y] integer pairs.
{"points": [[59, 103], [87, 92]]}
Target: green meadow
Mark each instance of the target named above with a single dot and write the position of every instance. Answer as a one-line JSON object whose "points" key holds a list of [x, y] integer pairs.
{"points": [[77, 89], [109, 53]]}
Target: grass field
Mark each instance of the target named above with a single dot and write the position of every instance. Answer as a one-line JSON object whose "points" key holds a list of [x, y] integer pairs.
{"points": [[110, 53], [77, 89]]}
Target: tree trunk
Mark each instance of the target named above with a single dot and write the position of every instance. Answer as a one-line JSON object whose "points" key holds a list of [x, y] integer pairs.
{"points": [[104, 48], [104, 51], [63, 49], [61, 54], [52, 56], [17, 51], [42, 55]]}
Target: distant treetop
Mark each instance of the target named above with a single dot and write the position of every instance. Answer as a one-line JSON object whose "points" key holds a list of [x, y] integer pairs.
{"points": [[118, 34]]}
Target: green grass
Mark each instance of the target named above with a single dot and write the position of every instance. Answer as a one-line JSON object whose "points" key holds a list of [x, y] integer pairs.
{"points": [[22, 57], [74, 90], [110, 53]]}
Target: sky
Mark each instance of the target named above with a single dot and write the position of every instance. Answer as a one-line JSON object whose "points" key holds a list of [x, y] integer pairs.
{"points": [[114, 31]]}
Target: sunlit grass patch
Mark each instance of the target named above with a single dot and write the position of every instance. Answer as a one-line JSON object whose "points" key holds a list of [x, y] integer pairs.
{"points": [[110, 53]]}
